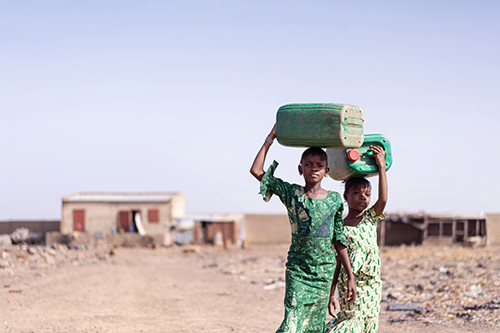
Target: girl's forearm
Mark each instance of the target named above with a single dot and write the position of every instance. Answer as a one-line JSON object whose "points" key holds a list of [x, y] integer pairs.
{"points": [[335, 278], [257, 169], [382, 185], [382, 192], [344, 259]]}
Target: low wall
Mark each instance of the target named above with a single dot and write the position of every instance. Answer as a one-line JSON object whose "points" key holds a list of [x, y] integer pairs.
{"points": [[8, 227], [266, 229]]}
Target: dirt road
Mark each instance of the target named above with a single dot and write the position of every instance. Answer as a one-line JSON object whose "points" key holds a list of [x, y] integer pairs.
{"points": [[169, 290]]}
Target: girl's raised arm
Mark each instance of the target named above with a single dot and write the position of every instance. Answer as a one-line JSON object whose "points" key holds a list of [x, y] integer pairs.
{"points": [[379, 155], [257, 169]]}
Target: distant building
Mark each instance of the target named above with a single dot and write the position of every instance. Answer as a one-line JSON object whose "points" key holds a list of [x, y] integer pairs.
{"points": [[218, 229], [96, 213], [444, 229]]}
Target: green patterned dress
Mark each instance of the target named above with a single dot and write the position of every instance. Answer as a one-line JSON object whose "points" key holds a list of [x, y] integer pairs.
{"points": [[364, 256], [316, 227]]}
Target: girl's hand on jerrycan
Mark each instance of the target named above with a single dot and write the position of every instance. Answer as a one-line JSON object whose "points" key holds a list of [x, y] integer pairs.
{"points": [[378, 155]]}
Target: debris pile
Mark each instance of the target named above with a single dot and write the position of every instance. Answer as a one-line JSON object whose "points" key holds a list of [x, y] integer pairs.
{"points": [[23, 259], [441, 284]]}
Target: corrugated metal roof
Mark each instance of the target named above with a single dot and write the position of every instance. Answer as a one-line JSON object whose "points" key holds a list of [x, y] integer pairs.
{"points": [[119, 197]]}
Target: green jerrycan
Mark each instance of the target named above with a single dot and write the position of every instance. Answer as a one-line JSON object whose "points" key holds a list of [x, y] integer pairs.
{"points": [[328, 125], [348, 163]]}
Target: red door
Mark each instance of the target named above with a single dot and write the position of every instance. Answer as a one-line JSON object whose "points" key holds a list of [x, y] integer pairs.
{"points": [[79, 220], [124, 220]]}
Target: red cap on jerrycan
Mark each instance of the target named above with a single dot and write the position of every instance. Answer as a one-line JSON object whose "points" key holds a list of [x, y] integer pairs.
{"points": [[353, 155]]}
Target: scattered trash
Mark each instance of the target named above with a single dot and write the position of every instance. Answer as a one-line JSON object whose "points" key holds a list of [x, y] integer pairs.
{"points": [[36, 238], [466, 316], [191, 248], [405, 307], [489, 306], [224, 294], [476, 289], [20, 235], [15, 291], [271, 284], [399, 320], [447, 284], [444, 270]]}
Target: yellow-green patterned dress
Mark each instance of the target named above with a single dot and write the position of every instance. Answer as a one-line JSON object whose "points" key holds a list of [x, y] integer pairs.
{"points": [[364, 256], [316, 226]]}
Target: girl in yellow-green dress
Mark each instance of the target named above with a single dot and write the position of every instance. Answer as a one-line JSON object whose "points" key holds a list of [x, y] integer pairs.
{"points": [[360, 229], [315, 217]]}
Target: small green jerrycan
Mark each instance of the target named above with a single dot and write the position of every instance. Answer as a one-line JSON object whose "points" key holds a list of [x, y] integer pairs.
{"points": [[328, 125], [348, 163]]}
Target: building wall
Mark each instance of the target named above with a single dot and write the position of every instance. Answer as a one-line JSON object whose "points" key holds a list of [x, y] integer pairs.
{"points": [[266, 229], [493, 228], [103, 216], [177, 206], [398, 233], [8, 227]]}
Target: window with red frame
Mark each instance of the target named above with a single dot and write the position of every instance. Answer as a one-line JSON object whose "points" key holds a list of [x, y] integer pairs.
{"points": [[153, 215]]}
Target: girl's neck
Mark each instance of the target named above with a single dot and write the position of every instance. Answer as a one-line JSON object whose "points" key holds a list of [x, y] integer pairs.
{"points": [[353, 217], [315, 191]]}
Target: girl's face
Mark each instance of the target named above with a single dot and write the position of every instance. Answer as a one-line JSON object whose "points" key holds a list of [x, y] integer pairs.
{"points": [[358, 198], [313, 168]]}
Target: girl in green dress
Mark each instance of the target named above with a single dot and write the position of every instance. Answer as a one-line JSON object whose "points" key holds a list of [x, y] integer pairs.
{"points": [[315, 216], [360, 228]]}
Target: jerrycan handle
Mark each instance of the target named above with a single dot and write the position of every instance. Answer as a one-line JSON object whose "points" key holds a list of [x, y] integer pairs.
{"points": [[370, 153]]}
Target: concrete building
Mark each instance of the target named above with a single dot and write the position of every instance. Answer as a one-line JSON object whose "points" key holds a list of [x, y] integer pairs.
{"points": [[218, 229], [106, 214], [443, 229]]}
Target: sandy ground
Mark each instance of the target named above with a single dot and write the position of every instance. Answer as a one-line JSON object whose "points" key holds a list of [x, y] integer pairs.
{"points": [[213, 290]]}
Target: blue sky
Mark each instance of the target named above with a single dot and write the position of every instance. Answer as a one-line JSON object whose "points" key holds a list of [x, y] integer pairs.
{"points": [[179, 96]]}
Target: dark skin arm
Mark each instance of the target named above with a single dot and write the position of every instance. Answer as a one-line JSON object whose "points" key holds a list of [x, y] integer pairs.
{"points": [[351, 282], [257, 169], [379, 156], [333, 306]]}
